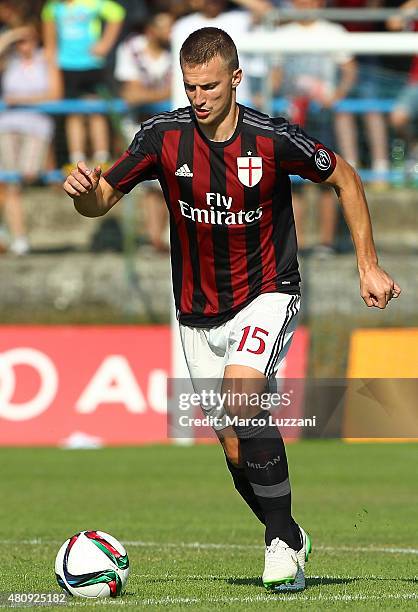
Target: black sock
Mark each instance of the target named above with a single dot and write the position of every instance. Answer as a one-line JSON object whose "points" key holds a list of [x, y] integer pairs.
{"points": [[289, 532], [245, 489], [296, 534], [265, 464]]}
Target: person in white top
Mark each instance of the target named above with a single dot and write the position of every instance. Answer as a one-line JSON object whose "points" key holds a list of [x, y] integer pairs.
{"points": [[25, 135], [143, 68], [143, 64], [323, 78]]}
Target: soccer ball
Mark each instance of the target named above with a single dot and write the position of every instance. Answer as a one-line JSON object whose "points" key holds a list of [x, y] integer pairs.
{"points": [[92, 564]]}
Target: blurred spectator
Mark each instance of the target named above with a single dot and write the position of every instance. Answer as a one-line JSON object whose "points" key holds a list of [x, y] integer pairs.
{"points": [[12, 23], [9, 36], [406, 108], [25, 135], [74, 36], [215, 13], [143, 67], [136, 11], [324, 79], [367, 86], [143, 64], [176, 8], [12, 14]]}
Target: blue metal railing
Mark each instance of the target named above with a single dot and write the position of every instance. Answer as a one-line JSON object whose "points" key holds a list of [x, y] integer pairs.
{"points": [[88, 107], [279, 105], [349, 105], [118, 106]]}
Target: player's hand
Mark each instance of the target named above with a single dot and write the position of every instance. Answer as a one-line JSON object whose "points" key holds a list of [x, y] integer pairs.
{"points": [[82, 180], [377, 288]]}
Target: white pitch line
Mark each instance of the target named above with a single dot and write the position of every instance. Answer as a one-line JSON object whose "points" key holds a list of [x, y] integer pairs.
{"points": [[216, 546], [176, 577], [275, 597], [219, 546], [381, 549], [167, 601]]}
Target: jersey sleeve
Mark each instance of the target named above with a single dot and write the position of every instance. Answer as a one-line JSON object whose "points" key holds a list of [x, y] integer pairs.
{"points": [[299, 153], [47, 13], [112, 11], [137, 164]]}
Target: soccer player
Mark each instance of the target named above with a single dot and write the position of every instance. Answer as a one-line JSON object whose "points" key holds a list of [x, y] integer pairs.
{"points": [[224, 170]]}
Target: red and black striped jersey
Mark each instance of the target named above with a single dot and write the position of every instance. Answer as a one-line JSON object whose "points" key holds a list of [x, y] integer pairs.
{"points": [[232, 229]]}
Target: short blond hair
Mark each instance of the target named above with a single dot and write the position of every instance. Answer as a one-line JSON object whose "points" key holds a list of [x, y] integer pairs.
{"points": [[207, 43]]}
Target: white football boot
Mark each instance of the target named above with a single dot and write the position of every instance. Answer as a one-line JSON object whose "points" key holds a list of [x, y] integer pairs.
{"points": [[280, 564], [302, 555]]}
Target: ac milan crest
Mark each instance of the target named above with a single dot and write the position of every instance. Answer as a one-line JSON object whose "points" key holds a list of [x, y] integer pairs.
{"points": [[250, 170]]}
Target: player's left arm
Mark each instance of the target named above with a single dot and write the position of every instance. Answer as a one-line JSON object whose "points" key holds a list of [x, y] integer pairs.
{"points": [[377, 288]]}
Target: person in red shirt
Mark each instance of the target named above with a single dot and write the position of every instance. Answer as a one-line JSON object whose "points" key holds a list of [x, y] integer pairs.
{"points": [[224, 170]]}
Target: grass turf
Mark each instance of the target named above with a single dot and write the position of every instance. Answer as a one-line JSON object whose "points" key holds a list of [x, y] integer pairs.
{"points": [[193, 544]]}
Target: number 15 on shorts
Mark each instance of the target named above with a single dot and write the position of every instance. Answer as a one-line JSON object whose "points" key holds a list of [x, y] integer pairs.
{"points": [[253, 340]]}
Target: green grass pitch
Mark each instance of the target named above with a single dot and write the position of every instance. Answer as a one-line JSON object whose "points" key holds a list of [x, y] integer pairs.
{"points": [[194, 545]]}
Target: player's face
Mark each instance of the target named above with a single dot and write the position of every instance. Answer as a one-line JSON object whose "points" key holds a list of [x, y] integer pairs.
{"points": [[211, 89]]}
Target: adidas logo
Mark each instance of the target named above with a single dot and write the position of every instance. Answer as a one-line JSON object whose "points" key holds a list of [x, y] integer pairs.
{"points": [[184, 171]]}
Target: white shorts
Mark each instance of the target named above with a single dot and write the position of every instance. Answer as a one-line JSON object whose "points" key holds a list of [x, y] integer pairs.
{"points": [[259, 337]]}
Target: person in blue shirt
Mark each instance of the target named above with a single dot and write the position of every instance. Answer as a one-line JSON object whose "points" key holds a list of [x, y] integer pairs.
{"points": [[75, 36]]}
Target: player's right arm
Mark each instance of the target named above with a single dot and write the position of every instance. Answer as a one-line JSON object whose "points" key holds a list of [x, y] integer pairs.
{"points": [[92, 195]]}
